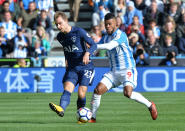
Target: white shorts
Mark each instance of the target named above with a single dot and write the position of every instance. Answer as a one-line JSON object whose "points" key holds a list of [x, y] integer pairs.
{"points": [[127, 77]]}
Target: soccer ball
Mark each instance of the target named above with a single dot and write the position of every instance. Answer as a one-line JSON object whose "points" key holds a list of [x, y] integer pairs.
{"points": [[83, 114]]}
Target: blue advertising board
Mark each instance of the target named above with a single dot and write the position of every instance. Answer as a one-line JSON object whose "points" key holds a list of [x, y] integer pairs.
{"points": [[150, 79]]}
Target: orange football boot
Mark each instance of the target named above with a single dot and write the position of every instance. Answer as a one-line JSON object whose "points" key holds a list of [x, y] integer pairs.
{"points": [[153, 111], [92, 120]]}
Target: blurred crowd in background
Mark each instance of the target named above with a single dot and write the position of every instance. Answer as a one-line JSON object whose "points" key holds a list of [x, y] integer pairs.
{"points": [[26, 28], [153, 27]]}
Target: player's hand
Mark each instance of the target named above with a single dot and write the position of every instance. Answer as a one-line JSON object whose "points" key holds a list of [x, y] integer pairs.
{"points": [[86, 58]]}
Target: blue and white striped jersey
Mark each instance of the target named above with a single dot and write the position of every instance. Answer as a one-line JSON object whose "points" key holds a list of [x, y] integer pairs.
{"points": [[10, 28], [44, 4], [119, 52]]}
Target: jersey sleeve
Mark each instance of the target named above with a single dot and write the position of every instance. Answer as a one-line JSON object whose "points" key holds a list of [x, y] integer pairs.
{"points": [[58, 37], [87, 38], [108, 46], [120, 39]]}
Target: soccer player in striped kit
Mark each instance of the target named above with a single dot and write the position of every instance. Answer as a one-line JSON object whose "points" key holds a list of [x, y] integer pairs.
{"points": [[79, 67], [123, 68]]}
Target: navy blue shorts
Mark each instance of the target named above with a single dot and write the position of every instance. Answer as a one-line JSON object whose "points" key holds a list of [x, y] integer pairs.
{"points": [[82, 77]]}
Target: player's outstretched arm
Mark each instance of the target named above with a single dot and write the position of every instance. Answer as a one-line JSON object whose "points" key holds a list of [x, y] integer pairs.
{"points": [[120, 39], [108, 46]]}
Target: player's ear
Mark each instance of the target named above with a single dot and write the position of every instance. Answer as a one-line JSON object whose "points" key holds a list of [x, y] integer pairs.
{"points": [[114, 21]]}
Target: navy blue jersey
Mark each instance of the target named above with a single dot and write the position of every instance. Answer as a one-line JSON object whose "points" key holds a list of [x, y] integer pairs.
{"points": [[74, 45]]}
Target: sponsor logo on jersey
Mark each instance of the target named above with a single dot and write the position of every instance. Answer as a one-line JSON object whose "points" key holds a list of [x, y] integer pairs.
{"points": [[70, 48]]}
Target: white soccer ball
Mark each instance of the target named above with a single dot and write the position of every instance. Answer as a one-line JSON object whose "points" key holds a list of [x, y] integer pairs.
{"points": [[83, 114]]}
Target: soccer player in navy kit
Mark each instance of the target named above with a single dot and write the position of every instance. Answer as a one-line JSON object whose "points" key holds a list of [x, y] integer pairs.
{"points": [[79, 68]]}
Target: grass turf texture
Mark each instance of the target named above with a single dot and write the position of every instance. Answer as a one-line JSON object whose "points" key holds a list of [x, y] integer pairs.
{"points": [[30, 112]]}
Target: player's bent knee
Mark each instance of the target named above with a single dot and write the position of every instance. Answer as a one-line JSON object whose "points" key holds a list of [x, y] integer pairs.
{"points": [[100, 89], [82, 91], [127, 91], [69, 86]]}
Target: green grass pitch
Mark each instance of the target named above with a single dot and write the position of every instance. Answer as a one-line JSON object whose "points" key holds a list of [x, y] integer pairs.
{"points": [[30, 112]]}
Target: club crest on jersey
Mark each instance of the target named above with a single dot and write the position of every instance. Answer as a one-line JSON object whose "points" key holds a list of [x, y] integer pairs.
{"points": [[61, 41], [73, 38]]}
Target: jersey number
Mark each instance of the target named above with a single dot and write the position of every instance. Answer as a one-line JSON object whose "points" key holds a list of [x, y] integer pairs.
{"points": [[88, 73], [129, 74]]}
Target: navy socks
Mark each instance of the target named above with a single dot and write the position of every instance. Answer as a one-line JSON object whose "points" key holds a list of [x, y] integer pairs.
{"points": [[65, 99], [81, 102]]}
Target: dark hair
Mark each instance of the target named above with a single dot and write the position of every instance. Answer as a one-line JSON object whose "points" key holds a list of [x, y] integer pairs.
{"points": [[139, 52], [152, 20], [7, 12], [136, 16], [43, 11], [109, 16], [6, 1]]}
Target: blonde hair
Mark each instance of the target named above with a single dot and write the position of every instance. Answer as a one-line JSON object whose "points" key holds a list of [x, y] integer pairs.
{"points": [[123, 3], [170, 19], [44, 35]]}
